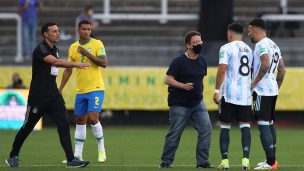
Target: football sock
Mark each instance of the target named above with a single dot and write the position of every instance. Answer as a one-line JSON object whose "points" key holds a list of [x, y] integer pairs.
{"points": [[246, 139], [80, 136], [224, 140], [98, 133], [274, 136], [267, 141]]}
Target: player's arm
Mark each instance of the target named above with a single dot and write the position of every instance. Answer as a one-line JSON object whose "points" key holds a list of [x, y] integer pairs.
{"points": [[100, 61], [219, 81], [262, 71], [65, 78], [170, 80], [281, 73], [64, 63]]}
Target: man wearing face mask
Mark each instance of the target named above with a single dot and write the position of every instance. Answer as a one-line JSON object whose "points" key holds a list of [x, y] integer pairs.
{"points": [[185, 100], [17, 82]]}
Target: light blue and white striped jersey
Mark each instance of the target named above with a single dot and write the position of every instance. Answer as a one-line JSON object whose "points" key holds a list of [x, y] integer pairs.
{"points": [[268, 85], [236, 86]]}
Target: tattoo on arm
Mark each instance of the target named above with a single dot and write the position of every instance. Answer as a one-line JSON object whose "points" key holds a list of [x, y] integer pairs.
{"points": [[262, 72], [280, 78], [281, 73]]}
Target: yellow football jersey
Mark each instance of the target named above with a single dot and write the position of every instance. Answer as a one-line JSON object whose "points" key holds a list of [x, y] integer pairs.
{"points": [[89, 79]]}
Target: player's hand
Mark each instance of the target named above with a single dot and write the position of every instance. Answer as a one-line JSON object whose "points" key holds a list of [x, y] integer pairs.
{"points": [[82, 65], [216, 98], [188, 86], [82, 51]]}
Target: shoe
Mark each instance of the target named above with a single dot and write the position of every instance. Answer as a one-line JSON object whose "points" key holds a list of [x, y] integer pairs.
{"points": [[266, 166], [164, 165], [245, 164], [76, 163], [65, 161], [205, 165], [275, 165], [261, 163], [102, 156], [224, 165], [12, 161]]}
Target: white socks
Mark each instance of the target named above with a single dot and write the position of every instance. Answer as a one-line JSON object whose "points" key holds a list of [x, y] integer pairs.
{"points": [[80, 136], [98, 133]]}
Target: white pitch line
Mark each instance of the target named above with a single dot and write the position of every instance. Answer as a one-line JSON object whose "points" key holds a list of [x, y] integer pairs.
{"points": [[135, 165]]}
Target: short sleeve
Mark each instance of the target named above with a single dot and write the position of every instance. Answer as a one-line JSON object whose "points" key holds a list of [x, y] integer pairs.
{"points": [[70, 54], [261, 49], [41, 52], [101, 51], [173, 69], [223, 55]]}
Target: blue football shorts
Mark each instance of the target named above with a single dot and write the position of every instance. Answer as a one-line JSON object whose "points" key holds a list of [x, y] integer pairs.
{"points": [[88, 102]]}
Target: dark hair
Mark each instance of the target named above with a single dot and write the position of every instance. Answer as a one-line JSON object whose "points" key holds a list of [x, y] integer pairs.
{"points": [[87, 8], [235, 27], [46, 26], [257, 22], [83, 22], [190, 34]]}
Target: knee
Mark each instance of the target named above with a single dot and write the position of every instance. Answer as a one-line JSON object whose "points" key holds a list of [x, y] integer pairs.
{"points": [[93, 120]]}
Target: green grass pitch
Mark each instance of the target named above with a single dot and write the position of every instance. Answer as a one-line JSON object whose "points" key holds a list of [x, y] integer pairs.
{"points": [[139, 148]]}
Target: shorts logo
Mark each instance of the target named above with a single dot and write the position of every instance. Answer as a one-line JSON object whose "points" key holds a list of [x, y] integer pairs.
{"points": [[95, 107], [35, 110]]}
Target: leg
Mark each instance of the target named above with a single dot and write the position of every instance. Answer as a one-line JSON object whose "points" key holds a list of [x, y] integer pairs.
{"points": [[201, 122], [81, 116], [95, 101], [32, 35], [98, 133], [178, 117], [274, 136], [31, 118], [244, 114], [224, 139], [57, 112], [25, 37]]}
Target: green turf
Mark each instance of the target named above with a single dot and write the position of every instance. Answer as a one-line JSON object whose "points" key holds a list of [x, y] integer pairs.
{"points": [[139, 148]]}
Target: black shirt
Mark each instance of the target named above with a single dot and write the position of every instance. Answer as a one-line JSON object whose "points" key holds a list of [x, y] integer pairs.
{"points": [[43, 82], [187, 70]]}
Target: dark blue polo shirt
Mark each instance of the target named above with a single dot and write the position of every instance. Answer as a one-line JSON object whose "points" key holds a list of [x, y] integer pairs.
{"points": [[187, 70]]}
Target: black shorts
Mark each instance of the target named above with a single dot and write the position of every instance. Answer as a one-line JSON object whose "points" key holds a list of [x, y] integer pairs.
{"points": [[264, 107], [229, 111]]}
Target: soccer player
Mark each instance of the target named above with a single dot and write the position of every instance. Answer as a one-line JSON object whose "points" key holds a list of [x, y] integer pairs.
{"points": [[44, 97], [265, 86], [185, 79], [234, 73], [90, 87]]}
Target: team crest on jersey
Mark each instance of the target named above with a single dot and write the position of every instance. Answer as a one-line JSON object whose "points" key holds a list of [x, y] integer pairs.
{"points": [[90, 50]]}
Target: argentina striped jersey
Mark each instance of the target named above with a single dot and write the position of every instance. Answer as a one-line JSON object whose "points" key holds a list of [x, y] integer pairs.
{"points": [[268, 85], [237, 55]]}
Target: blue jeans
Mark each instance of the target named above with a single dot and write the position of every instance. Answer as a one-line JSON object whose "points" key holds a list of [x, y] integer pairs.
{"points": [[178, 117], [29, 36]]}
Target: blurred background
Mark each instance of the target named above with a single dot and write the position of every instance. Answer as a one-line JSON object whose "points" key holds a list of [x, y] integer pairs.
{"points": [[141, 38]]}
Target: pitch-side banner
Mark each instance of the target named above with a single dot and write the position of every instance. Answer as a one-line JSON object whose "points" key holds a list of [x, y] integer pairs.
{"points": [[13, 109], [143, 88]]}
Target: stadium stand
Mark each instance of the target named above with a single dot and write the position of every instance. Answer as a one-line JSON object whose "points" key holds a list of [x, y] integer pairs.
{"points": [[143, 43]]}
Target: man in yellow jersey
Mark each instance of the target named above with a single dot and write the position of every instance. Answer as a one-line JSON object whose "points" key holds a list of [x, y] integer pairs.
{"points": [[90, 87]]}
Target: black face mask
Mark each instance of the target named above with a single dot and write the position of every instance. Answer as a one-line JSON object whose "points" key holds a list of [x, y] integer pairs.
{"points": [[197, 48]]}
